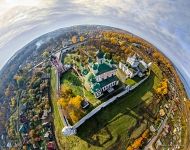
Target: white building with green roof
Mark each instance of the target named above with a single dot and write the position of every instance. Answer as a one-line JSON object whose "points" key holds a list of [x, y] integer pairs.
{"points": [[134, 66], [100, 75]]}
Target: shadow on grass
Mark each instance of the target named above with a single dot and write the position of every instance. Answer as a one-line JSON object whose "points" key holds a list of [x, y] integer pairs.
{"points": [[128, 105]]}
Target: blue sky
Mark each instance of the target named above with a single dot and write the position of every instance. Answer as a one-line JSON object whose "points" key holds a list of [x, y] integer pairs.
{"points": [[164, 23]]}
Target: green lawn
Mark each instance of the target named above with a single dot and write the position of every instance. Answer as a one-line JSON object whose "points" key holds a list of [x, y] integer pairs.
{"points": [[72, 58], [57, 119], [110, 127], [129, 81]]}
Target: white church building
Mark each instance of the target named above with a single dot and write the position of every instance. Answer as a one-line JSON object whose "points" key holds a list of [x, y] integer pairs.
{"points": [[134, 66]]}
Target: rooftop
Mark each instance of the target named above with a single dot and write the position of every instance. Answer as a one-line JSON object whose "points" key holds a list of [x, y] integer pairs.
{"points": [[99, 85], [102, 68], [99, 54]]}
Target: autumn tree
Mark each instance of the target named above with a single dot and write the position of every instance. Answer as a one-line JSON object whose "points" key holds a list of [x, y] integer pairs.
{"points": [[76, 101], [163, 88], [19, 80], [13, 102], [62, 102], [81, 38], [137, 143], [123, 43], [32, 133], [66, 92], [74, 39], [45, 54], [11, 132], [130, 148], [114, 41], [145, 134], [74, 115]]}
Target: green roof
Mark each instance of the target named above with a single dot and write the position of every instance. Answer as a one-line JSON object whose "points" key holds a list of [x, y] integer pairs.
{"points": [[89, 60], [99, 54], [84, 72], [95, 87], [98, 85], [92, 80], [89, 77], [95, 66], [102, 68], [108, 81]]}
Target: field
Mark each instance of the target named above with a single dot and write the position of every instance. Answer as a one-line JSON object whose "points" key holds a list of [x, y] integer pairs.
{"points": [[114, 125]]}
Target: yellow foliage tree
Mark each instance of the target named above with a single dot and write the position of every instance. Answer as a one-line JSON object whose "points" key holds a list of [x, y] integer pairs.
{"points": [[163, 88], [158, 90], [62, 102], [17, 77], [13, 102], [81, 38], [113, 40], [145, 134], [127, 50], [76, 101], [130, 148], [74, 116], [45, 54], [156, 55], [137, 143], [66, 92]]}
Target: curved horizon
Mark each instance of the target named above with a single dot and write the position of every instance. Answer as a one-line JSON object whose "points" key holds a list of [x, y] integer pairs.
{"points": [[162, 23]]}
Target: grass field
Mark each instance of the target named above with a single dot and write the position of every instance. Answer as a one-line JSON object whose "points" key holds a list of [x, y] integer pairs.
{"points": [[110, 127], [57, 119]]}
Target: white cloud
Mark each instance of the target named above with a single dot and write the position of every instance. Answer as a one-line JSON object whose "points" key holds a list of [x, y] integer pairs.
{"points": [[163, 23]]}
